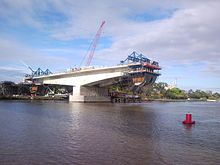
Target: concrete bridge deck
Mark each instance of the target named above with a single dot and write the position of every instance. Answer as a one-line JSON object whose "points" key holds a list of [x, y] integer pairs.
{"points": [[92, 84]]}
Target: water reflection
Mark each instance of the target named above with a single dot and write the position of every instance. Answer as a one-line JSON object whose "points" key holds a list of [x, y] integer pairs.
{"points": [[76, 133], [188, 127]]}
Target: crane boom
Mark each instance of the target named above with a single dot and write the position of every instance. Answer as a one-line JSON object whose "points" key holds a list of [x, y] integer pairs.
{"points": [[94, 43]]}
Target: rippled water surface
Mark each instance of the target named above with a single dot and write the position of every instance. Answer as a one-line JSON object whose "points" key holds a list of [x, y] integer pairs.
{"points": [[108, 134]]}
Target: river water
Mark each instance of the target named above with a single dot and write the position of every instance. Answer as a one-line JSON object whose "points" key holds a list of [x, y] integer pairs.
{"points": [[49, 132]]}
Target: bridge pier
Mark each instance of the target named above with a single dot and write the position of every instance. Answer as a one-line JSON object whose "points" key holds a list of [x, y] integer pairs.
{"points": [[89, 94]]}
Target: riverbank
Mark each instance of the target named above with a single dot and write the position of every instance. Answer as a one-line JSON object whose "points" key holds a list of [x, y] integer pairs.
{"points": [[58, 97], [181, 100], [20, 97]]}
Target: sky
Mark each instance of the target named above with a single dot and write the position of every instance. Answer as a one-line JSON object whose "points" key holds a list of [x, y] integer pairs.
{"points": [[182, 35]]}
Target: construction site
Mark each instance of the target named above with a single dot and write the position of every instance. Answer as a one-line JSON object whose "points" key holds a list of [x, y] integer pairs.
{"points": [[87, 83]]}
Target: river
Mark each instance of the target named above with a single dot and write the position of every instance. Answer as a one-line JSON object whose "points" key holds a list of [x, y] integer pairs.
{"points": [[59, 132]]}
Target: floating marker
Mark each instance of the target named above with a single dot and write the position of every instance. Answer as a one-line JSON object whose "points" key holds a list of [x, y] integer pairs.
{"points": [[188, 119]]}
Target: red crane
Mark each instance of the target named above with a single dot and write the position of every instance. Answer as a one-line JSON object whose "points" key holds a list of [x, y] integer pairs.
{"points": [[93, 44]]}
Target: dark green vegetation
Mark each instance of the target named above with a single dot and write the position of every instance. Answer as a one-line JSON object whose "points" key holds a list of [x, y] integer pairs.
{"points": [[9, 91], [163, 91]]}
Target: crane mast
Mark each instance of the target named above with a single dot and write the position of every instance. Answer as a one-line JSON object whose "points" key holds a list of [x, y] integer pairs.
{"points": [[94, 43]]}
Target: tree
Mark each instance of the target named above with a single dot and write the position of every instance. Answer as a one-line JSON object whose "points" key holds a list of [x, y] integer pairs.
{"points": [[176, 93]]}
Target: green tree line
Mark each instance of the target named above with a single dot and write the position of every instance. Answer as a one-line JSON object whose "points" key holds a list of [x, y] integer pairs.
{"points": [[161, 90]]}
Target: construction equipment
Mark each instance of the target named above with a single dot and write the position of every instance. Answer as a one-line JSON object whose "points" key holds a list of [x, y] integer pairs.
{"points": [[33, 90], [92, 47], [140, 58], [38, 72]]}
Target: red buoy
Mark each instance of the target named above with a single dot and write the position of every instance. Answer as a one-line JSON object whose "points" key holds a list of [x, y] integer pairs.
{"points": [[188, 119]]}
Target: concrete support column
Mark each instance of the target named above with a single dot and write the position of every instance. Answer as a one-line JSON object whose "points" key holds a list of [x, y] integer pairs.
{"points": [[89, 94], [76, 96], [76, 90]]}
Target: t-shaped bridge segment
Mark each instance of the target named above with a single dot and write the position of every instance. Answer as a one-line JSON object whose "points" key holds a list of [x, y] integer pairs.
{"points": [[91, 84]]}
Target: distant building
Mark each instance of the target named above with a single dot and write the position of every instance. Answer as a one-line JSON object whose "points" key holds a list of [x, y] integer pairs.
{"points": [[172, 85]]}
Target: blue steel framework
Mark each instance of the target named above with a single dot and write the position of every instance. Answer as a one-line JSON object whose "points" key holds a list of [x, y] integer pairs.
{"points": [[38, 72], [135, 57]]}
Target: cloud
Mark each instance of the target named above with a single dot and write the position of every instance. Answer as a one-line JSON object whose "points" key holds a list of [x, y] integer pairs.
{"points": [[173, 32], [11, 73], [69, 19], [12, 53], [8, 68], [86, 16], [188, 37], [18, 12]]}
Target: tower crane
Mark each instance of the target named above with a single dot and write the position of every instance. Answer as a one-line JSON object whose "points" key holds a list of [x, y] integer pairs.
{"points": [[93, 45]]}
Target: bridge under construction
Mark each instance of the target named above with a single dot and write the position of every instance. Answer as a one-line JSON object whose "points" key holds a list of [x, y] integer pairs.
{"points": [[92, 84]]}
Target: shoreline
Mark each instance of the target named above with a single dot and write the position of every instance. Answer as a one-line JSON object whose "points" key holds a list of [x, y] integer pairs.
{"points": [[181, 100], [32, 98], [20, 97]]}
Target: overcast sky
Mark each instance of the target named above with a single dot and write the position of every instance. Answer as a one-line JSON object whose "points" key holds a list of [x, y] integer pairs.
{"points": [[182, 35]]}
